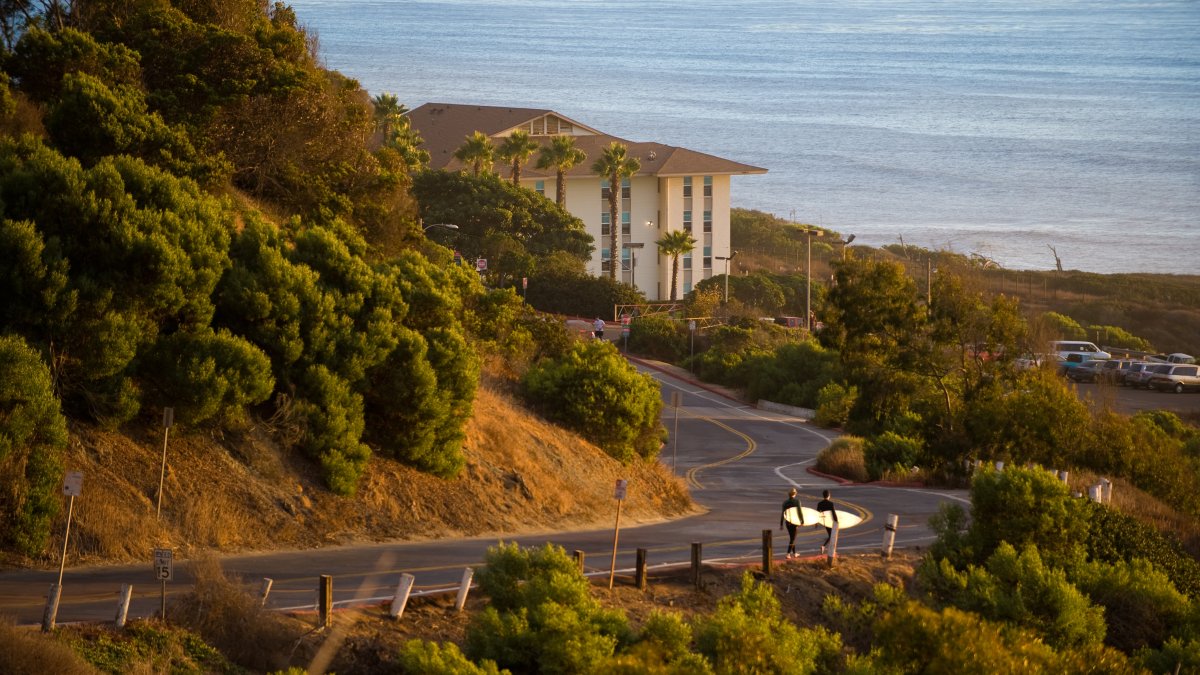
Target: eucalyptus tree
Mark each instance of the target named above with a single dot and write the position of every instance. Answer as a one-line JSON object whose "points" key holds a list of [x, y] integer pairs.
{"points": [[477, 151], [675, 244], [562, 156], [617, 165], [517, 149]]}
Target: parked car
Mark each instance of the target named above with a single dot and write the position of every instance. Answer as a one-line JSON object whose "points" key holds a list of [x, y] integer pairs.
{"points": [[1088, 371], [1177, 378], [1068, 347], [1129, 376], [1174, 358], [1142, 378], [1113, 371], [1070, 362]]}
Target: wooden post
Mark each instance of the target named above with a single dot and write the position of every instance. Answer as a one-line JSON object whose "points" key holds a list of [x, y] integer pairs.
{"points": [[620, 497], [889, 535], [696, 581], [579, 559], [325, 601], [400, 600], [264, 591], [168, 420], [461, 601], [831, 550], [123, 604], [51, 612], [766, 552], [640, 573]]}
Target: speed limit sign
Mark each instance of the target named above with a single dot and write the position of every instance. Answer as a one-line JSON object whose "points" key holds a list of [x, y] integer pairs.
{"points": [[163, 568]]}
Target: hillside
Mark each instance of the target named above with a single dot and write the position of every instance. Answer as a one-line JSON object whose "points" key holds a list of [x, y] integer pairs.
{"points": [[241, 491]]}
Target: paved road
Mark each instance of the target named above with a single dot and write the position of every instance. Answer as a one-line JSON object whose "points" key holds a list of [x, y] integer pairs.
{"points": [[738, 461], [1129, 401]]}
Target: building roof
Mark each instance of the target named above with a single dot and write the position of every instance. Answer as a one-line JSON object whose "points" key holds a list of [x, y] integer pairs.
{"points": [[444, 127]]}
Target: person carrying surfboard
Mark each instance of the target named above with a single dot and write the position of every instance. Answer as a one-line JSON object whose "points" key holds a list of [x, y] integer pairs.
{"points": [[826, 505], [791, 512]]}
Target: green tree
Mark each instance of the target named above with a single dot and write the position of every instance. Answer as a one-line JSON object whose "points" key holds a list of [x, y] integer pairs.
{"points": [[431, 658], [615, 165], [33, 436], [560, 155], [673, 245], [516, 149], [478, 152], [601, 396]]}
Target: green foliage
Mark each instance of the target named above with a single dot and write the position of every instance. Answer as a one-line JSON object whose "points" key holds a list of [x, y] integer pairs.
{"points": [[333, 418], [1140, 603], [1117, 537], [748, 634], [1063, 326], [1176, 655], [1026, 506], [208, 375], [1115, 336], [42, 59], [33, 435], [575, 293], [149, 647], [890, 452], [542, 617], [658, 336], [1020, 590], [1120, 446], [601, 396], [834, 403], [794, 374], [855, 622], [420, 657], [1038, 420]]}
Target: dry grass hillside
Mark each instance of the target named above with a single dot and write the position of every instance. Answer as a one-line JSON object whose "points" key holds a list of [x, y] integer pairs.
{"points": [[241, 492]]}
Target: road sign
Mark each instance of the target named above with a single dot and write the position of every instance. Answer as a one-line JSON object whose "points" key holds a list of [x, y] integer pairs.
{"points": [[524, 282], [73, 484], [481, 264], [168, 417], [622, 484], [676, 399], [163, 568], [692, 325]]}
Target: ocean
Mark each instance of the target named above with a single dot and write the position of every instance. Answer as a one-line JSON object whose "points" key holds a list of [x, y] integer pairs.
{"points": [[989, 127]]}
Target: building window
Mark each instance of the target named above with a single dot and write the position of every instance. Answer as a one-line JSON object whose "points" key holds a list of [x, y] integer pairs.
{"points": [[687, 220], [604, 191], [708, 186], [625, 189], [624, 222], [708, 221], [624, 260], [540, 187], [604, 232], [687, 261], [687, 187], [707, 257], [604, 259]]}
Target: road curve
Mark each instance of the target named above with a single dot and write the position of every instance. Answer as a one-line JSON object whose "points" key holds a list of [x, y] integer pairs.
{"points": [[739, 463]]}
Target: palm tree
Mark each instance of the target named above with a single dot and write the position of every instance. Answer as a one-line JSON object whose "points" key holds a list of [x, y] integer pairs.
{"points": [[516, 149], [563, 156], [388, 110], [675, 244], [476, 151], [617, 165]]}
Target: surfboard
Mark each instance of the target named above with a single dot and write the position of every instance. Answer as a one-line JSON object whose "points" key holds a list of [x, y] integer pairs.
{"points": [[792, 515], [845, 519]]}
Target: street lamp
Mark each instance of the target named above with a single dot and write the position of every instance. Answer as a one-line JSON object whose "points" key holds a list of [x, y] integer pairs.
{"points": [[448, 226], [845, 244], [810, 233], [633, 246], [731, 256]]}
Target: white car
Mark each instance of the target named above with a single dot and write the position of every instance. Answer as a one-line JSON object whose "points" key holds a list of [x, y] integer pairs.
{"points": [[1065, 348]]}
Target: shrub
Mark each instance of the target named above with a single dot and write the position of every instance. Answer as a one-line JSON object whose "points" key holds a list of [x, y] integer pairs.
{"points": [[891, 452], [1026, 506], [601, 396], [207, 375], [1064, 326], [430, 658], [33, 435], [1117, 537], [1140, 603], [834, 403], [793, 373], [844, 457], [26, 651], [658, 336], [333, 416]]}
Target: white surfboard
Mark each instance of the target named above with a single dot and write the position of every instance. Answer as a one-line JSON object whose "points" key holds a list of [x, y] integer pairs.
{"points": [[792, 515], [845, 519]]}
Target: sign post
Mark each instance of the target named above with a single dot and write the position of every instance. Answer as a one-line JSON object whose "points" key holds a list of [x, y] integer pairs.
{"points": [[168, 420], [692, 335], [164, 559], [524, 286], [626, 320], [619, 494], [72, 488], [676, 401]]}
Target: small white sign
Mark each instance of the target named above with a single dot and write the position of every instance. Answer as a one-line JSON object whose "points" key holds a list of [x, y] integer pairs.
{"points": [[676, 399], [73, 484], [622, 484], [481, 264], [168, 417], [163, 568], [524, 282], [692, 325]]}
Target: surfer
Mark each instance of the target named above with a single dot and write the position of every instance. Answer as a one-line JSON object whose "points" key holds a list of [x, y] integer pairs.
{"points": [[790, 503], [827, 505]]}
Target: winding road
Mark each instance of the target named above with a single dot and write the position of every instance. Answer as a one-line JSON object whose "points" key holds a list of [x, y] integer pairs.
{"points": [[738, 462]]}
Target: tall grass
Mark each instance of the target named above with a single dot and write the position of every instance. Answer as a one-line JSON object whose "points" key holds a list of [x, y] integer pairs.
{"points": [[844, 458], [26, 652]]}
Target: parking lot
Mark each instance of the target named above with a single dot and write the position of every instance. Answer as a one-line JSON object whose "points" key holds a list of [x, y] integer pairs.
{"points": [[1129, 401]]}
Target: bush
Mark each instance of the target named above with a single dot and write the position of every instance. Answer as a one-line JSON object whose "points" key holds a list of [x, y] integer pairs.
{"points": [[26, 651], [1026, 506], [33, 435], [834, 403], [844, 457], [1140, 603], [430, 658], [601, 396], [1117, 537], [333, 416], [890, 452], [1063, 326], [793, 374], [658, 336], [209, 376]]}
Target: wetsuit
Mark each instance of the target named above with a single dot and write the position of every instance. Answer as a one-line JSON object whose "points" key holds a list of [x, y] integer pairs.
{"points": [[791, 502], [826, 505]]}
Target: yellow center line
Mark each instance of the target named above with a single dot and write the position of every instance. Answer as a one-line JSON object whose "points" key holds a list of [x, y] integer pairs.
{"points": [[750, 446]]}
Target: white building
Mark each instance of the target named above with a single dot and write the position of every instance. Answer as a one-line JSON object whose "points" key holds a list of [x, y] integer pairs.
{"points": [[675, 189]]}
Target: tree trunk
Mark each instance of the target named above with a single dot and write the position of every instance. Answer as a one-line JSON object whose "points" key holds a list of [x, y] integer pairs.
{"points": [[614, 224], [561, 190]]}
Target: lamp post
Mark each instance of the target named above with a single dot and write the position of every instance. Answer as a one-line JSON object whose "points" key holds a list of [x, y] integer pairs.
{"points": [[809, 234], [633, 246], [727, 258], [845, 244]]}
